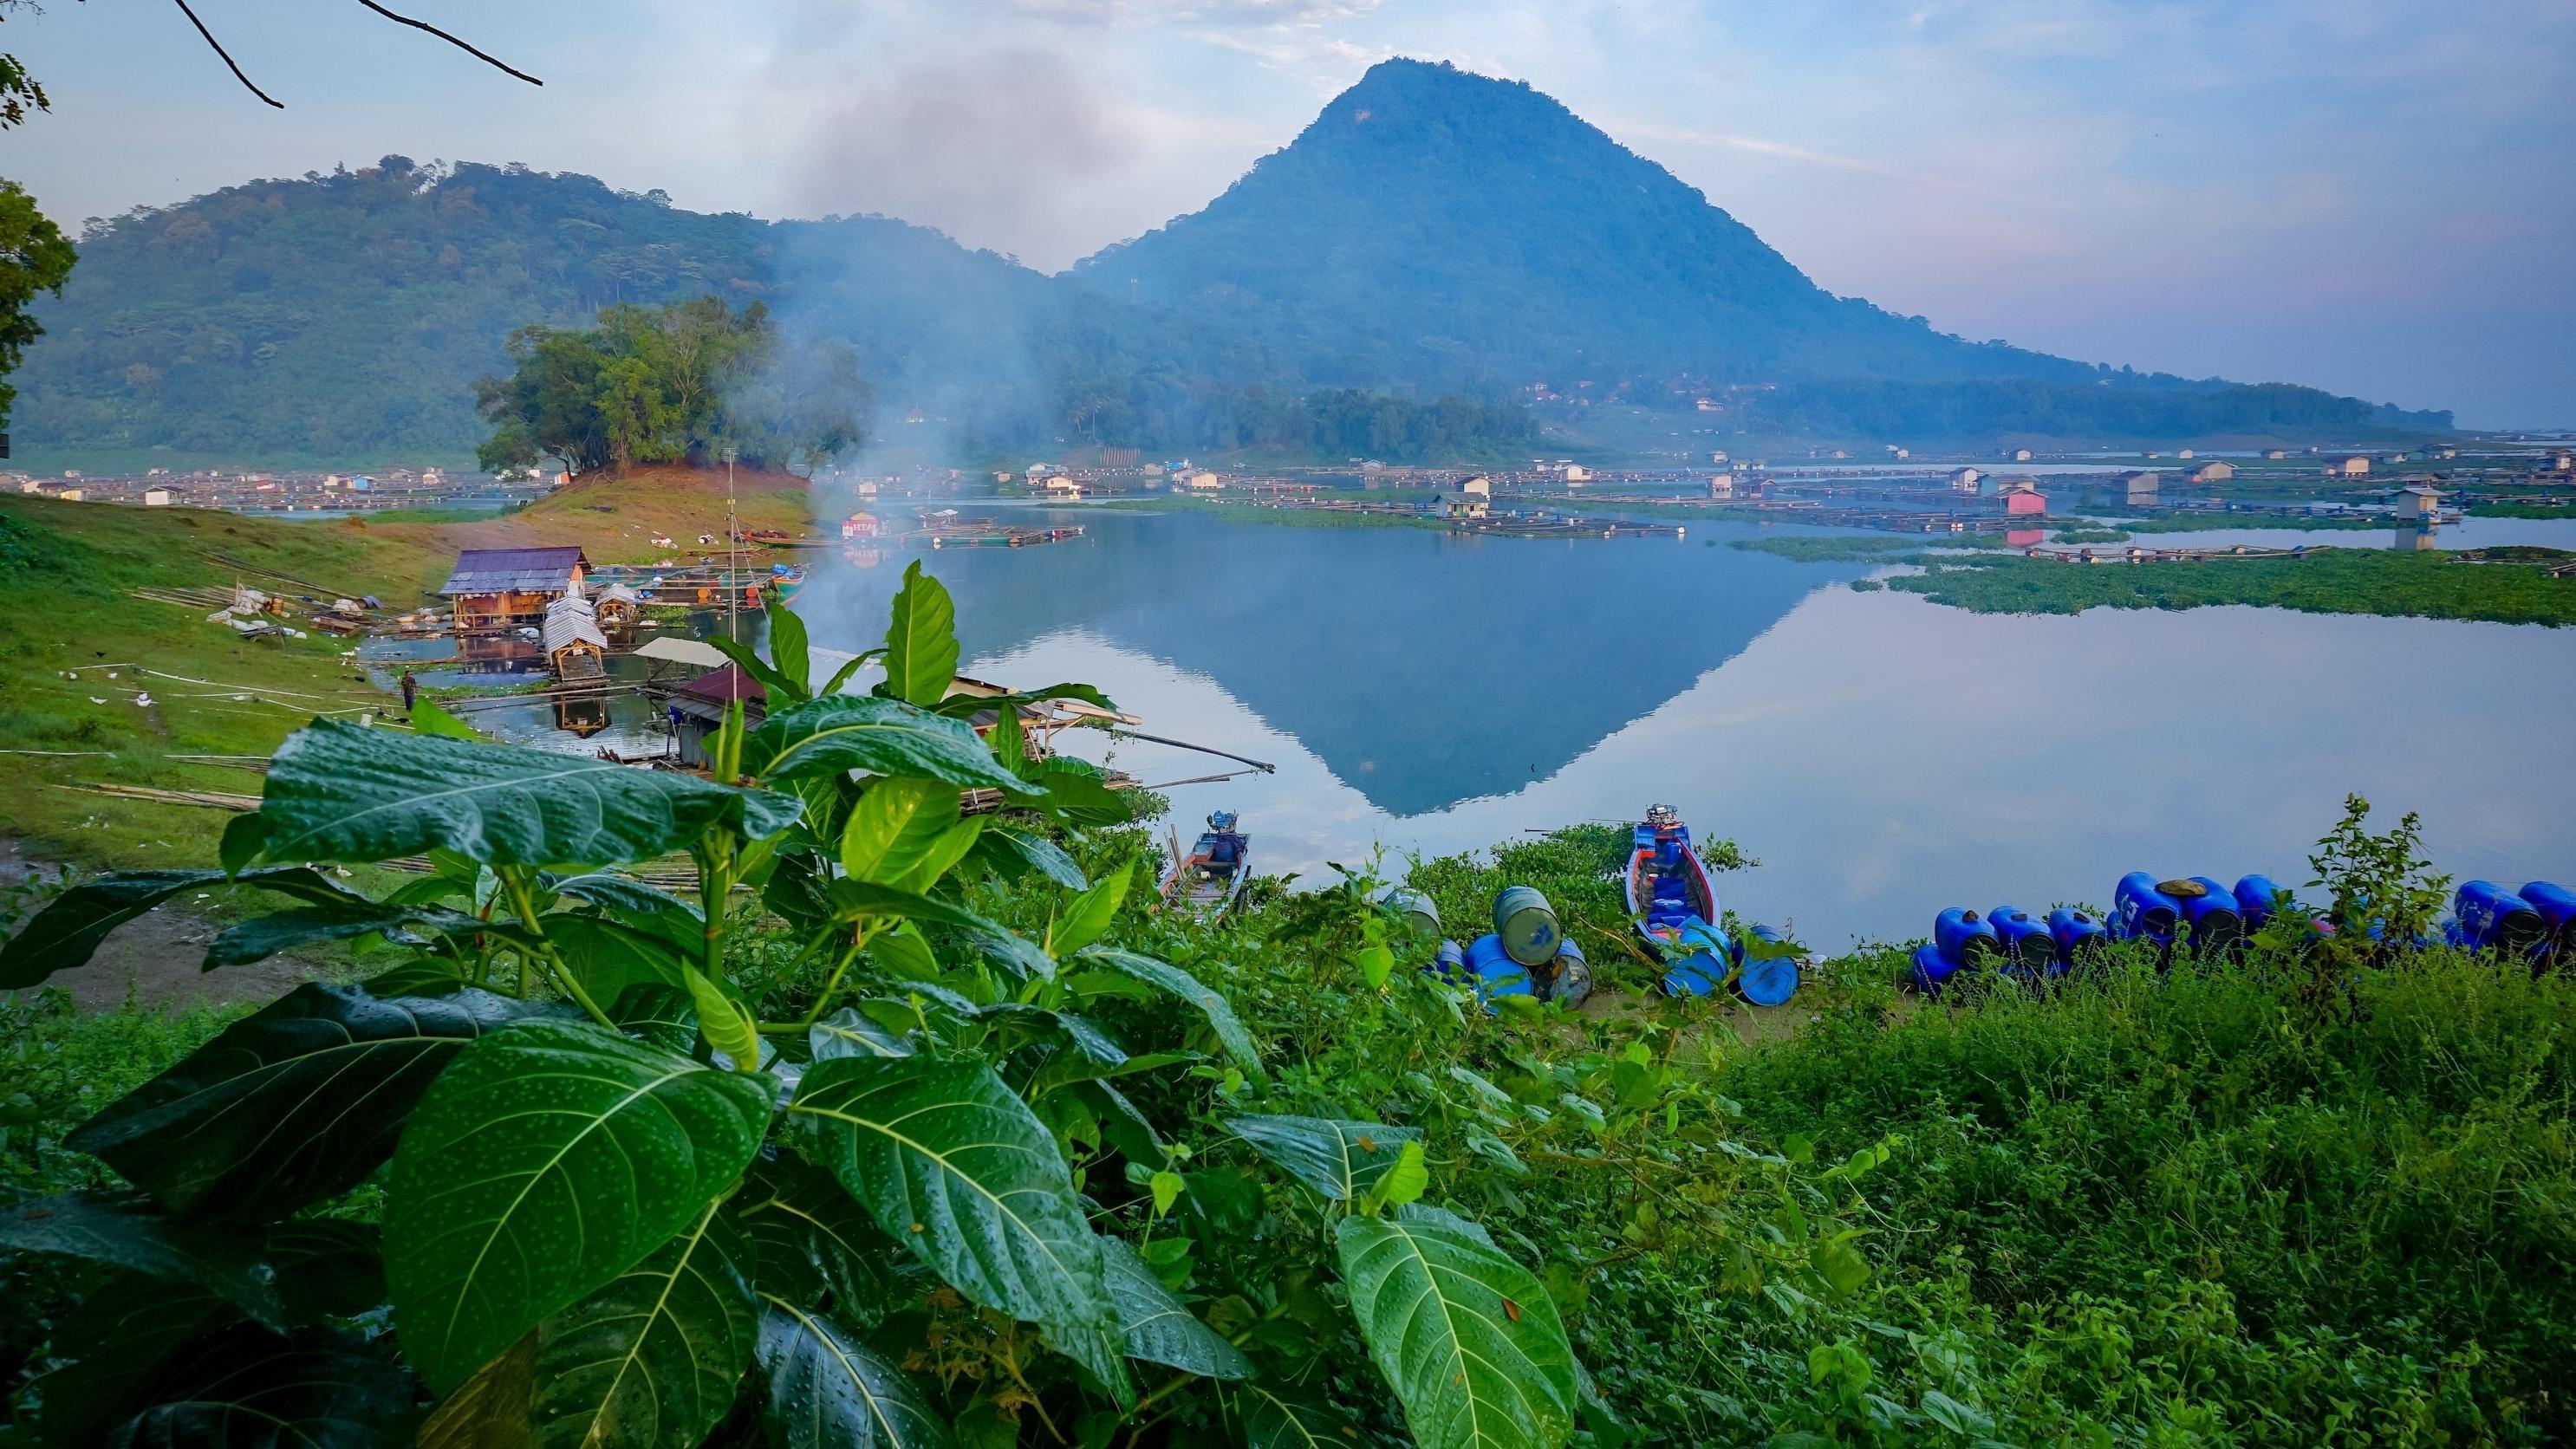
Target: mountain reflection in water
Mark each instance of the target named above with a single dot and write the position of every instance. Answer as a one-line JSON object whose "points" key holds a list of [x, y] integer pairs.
{"points": [[1423, 669]]}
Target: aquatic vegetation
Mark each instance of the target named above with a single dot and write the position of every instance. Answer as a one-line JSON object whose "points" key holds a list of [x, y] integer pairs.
{"points": [[2339, 581]]}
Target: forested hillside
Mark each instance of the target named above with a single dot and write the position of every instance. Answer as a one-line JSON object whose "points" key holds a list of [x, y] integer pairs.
{"points": [[1433, 244]]}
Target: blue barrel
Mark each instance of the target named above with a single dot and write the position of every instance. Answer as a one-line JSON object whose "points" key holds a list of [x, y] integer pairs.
{"points": [[1494, 971], [1449, 964], [1569, 980], [1966, 939], [2493, 918], [2078, 937], [1699, 963], [2557, 907], [1527, 924], [1764, 982], [2026, 943], [2258, 899], [2210, 911], [1931, 969], [2141, 911], [1414, 907]]}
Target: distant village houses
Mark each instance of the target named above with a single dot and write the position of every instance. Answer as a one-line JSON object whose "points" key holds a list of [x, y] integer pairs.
{"points": [[2213, 471]]}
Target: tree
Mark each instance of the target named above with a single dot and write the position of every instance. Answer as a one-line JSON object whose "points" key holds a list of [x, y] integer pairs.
{"points": [[668, 384], [34, 257]]}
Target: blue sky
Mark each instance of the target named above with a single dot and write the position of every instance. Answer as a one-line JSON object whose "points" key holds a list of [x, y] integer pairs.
{"points": [[2374, 196]]}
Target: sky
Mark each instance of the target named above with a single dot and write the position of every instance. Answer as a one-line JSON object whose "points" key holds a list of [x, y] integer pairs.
{"points": [[2377, 197]]}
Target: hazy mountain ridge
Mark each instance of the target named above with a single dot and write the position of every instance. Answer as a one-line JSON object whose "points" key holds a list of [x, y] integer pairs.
{"points": [[1432, 232]]}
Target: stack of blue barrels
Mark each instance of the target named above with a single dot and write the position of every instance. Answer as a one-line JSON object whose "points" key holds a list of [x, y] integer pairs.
{"points": [[2537, 923]]}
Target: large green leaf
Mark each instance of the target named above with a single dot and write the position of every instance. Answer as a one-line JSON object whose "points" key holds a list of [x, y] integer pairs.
{"points": [[247, 1388], [637, 904], [813, 1238], [1265, 1418], [844, 732], [846, 1033], [788, 648], [261, 937], [1341, 1160], [339, 792], [292, 1104], [1469, 1338], [67, 932], [1086, 917], [952, 1164], [826, 1392], [1009, 852], [921, 639], [611, 958], [549, 1158], [1221, 1020], [126, 1230], [854, 900], [904, 833], [1154, 1326], [653, 1359]]}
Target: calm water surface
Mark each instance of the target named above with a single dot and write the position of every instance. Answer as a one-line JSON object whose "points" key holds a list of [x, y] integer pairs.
{"points": [[1882, 756]]}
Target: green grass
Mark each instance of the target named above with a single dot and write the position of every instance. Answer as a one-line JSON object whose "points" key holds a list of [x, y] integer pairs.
{"points": [[67, 571], [2339, 581], [2090, 535], [2523, 509]]}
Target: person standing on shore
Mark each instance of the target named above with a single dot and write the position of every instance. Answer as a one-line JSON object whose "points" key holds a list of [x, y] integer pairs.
{"points": [[410, 690]]}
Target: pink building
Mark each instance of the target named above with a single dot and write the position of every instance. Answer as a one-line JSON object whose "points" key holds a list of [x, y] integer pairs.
{"points": [[2026, 502]]}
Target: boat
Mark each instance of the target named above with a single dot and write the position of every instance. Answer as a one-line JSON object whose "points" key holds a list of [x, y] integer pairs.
{"points": [[1211, 877], [1675, 907]]}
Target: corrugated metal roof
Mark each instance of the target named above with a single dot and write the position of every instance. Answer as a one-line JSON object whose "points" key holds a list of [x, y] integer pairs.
{"points": [[513, 570], [726, 684], [569, 622]]}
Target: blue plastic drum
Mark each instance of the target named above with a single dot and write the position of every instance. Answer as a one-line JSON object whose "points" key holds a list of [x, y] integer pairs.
{"points": [[2078, 937], [1765, 982], [2027, 946], [2141, 911], [1698, 964]]}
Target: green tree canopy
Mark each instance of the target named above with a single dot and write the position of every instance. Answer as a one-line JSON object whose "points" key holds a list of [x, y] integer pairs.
{"points": [[682, 382], [34, 257]]}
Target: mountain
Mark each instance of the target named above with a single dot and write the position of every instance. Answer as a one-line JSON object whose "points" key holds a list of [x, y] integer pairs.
{"points": [[1437, 228], [1385, 285], [1433, 222]]}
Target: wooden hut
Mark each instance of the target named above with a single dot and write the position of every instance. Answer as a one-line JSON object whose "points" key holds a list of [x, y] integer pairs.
{"points": [[617, 609], [575, 649], [494, 588]]}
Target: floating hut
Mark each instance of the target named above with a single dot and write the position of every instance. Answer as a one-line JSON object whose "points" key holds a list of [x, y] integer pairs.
{"points": [[575, 649], [497, 588]]}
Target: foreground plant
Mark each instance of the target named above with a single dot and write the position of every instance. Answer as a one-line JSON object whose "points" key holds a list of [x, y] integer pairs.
{"points": [[557, 1176]]}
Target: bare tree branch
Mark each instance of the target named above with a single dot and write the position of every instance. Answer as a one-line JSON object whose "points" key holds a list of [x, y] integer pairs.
{"points": [[228, 60], [450, 39]]}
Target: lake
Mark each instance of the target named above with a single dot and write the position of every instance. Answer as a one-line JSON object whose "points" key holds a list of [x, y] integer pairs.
{"points": [[1882, 756]]}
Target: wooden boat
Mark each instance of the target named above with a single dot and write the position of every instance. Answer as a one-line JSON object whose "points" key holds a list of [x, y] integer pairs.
{"points": [[1211, 877], [1675, 906]]}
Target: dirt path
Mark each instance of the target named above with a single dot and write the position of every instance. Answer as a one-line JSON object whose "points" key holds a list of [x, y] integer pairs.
{"points": [[152, 961]]}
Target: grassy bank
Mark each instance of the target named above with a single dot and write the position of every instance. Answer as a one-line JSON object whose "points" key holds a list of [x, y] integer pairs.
{"points": [[2340, 581], [68, 572]]}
